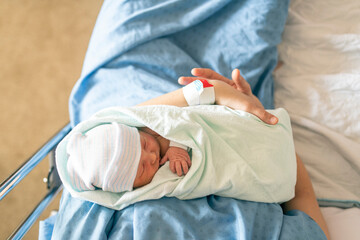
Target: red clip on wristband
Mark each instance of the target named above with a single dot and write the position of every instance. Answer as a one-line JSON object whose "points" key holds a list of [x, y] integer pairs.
{"points": [[199, 92], [205, 83]]}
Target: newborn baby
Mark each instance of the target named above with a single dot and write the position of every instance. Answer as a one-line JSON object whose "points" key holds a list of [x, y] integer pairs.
{"points": [[116, 158], [233, 153]]}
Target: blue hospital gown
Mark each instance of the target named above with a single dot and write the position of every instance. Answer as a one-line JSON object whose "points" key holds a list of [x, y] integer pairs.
{"points": [[204, 218]]}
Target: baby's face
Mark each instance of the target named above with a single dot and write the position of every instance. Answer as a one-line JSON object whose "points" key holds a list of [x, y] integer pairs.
{"points": [[149, 161]]}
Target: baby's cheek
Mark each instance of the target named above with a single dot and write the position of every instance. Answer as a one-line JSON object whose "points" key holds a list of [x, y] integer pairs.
{"points": [[140, 169], [154, 172]]}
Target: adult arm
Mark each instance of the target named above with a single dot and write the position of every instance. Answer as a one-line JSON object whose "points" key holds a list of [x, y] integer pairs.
{"points": [[239, 98], [251, 104], [175, 98], [305, 199], [224, 95]]}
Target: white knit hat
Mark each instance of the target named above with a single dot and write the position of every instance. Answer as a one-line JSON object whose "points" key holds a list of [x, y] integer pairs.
{"points": [[105, 157]]}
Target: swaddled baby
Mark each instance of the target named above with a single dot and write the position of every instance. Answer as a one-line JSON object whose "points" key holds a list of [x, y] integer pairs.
{"points": [[117, 158], [233, 153]]}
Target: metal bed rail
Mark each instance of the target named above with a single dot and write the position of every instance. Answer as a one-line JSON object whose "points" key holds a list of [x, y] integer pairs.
{"points": [[54, 185]]}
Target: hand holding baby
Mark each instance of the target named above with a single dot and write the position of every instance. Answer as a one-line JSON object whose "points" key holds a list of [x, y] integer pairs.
{"points": [[179, 160], [244, 98]]}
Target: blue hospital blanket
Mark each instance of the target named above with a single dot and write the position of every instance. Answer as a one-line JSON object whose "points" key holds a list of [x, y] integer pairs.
{"points": [[137, 51]]}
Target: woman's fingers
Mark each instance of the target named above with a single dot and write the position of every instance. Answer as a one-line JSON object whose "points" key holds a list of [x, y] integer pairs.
{"points": [[240, 82], [248, 102], [209, 74], [187, 80], [204, 73], [265, 116]]}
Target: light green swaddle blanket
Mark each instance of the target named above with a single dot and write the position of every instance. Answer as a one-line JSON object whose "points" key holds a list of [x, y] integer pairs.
{"points": [[234, 154]]}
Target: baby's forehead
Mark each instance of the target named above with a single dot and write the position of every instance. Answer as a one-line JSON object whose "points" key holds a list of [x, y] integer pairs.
{"points": [[141, 138], [143, 134]]}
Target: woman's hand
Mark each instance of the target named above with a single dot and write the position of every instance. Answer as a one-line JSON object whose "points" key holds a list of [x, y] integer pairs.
{"points": [[207, 74], [245, 100]]}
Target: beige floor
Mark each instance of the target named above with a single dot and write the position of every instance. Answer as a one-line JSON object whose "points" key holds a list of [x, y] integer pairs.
{"points": [[42, 47]]}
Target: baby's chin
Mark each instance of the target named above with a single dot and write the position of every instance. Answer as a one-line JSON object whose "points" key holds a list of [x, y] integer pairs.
{"points": [[139, 185]]}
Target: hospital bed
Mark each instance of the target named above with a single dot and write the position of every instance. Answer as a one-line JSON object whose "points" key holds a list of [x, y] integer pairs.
{"points": [[131, 59]]}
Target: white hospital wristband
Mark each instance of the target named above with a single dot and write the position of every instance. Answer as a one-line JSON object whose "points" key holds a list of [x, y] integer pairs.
{"points": [[199, 92]]}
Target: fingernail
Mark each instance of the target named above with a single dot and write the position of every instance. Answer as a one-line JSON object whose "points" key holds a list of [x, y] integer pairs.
{"points": [[273, 120], [197, 71]]}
